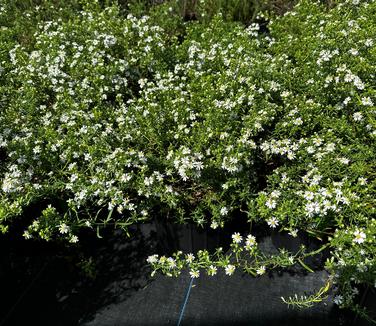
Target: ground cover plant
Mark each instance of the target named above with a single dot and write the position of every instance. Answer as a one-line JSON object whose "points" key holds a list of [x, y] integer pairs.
{"points": [[111, 118]]}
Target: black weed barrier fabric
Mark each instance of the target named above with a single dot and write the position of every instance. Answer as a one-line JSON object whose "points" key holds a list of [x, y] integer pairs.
{"points": [[49, 284], [107, 282]]}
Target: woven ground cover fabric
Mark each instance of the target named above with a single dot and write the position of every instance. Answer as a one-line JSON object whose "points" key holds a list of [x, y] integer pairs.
{"points": [[43, 288], [222, 300]]}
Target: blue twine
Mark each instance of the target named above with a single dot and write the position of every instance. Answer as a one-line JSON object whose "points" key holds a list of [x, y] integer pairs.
{"points": [[185, 301]]}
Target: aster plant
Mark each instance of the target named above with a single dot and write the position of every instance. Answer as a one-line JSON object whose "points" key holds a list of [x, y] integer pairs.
{"points": [[109, 120]]}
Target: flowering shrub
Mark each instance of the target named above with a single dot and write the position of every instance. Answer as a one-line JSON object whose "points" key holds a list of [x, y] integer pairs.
{"points": [[312, 118], [65, 105], [109, 120]]}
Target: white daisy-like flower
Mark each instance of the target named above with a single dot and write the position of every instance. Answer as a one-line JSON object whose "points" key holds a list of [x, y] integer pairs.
{"points": [[362, 181], [190, 258], [229, 269], [338, 299], [171, 262], [270, 203], [285, 94], [194, 273], [27, 235], [346, 100], [214, 225], [212, 270], [273, 222], [63, 228], [250, 241], [317, 141], [367, 101], [353, 51], [358, 116], [261, 270], [73, 239], [309, 195], [344, 160], [368, 42], [360, 236], [224, 211], [330, 147], [236, 237], [152, 259]]}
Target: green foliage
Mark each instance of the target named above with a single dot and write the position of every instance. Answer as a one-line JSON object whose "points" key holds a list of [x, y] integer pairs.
{"points": [[307, 301], [112, 117]]}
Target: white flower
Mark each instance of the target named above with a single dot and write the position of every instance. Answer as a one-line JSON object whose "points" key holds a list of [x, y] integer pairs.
{"points": [[309, 195], [250, 241], [224, 211], [9, 184], [294, 233], [63, 228], [362, 181], [162, 259], [357, 116], [344, 160], [317, 141], [27, 235], [73, 239], [330, 147], [152, 259], [360, 237], [270, 203], [354, 52], [212, 270], [35, 225], [73, 177], [273, 222], [358, 83], [368, 42], [285, 94], [275, 194], [261, 270], [190, 258], [236, 237], [310, 149], [367, 101], [171, 262], [361, 268], [229, 269], [194, 273], [338, 299], [37, 149], [347, 99], [214, 225], [325, 55]]}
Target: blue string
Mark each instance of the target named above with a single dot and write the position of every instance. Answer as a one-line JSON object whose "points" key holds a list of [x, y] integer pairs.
{"points": [[185, 302]]}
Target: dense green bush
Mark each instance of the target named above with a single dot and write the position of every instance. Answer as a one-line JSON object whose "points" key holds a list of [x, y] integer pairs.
{"points": [[113, 120]]}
